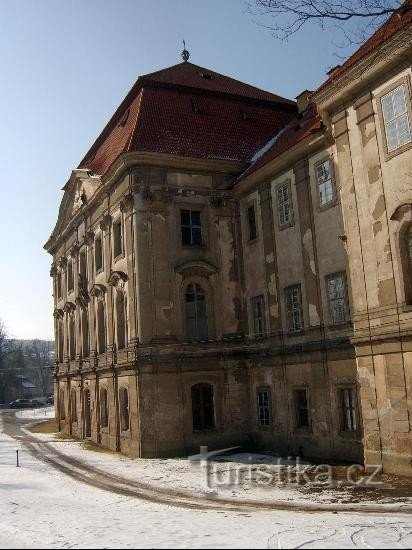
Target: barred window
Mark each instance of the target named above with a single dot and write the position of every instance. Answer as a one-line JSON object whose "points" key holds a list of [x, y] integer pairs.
{"points": [[284, 206], [337, 298], [396, 118], [263, 403], [293, 297], [349, 410], [191, 228], [258, 312], [325, 182]]}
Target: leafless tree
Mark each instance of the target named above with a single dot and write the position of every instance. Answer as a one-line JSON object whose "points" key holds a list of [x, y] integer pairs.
{"points": [[286, 17], [38, 352]]}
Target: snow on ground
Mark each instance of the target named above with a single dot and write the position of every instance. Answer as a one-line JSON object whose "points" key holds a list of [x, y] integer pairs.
{"points": [[41, 507], [36, 414]]}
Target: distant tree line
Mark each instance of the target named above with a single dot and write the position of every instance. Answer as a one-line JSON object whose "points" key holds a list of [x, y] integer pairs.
{"points": [[25, 367]]}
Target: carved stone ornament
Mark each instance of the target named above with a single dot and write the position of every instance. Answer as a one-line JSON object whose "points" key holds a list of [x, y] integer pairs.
{"points": [[74, 251], [105, 222], [89, 237], [127, 203], [98, 291], [401, 210], [58, 314], [82, 300], [69, 307], [53, 270], [138, 178], [116, 277], [62, 262], [196, 268]]}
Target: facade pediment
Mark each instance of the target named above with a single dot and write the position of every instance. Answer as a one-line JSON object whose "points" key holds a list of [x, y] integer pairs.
{"points": [[200, 268]]}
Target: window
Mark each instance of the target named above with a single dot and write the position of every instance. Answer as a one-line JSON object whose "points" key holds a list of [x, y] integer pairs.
{"points": [[73, 400], [101, 327], [60, 340], [302, 411], [121, 319], [258, 312], [85, 333], [325, 182], [191, 228], [61, 405], [83, 270], [293, 297], [98, 254], [251, 218], [59, 285], [124, 409], [72, 337], [349, 410], [70, 280], [117, 239], [203, 410], [263, 404], [284, 206], [337, 298], [396, 118], [196, 313], [104, 410]]}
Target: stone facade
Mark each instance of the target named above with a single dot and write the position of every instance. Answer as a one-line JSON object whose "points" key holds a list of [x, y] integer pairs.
{"points": [[227, 300]]}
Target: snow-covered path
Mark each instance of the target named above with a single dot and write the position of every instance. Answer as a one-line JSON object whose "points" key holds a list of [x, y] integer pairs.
{"points": [[41, 507]]}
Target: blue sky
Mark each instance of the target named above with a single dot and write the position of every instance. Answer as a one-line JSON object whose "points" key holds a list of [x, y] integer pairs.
{"points": [[66, 65]]}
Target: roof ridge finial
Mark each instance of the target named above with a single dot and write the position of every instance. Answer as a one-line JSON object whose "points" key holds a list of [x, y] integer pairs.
{"points": [[185, 54]]}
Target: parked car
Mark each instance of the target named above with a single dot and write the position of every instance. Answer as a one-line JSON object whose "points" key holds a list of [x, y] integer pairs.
{"points": [[21, 404], [36, 403], [50, 400]]}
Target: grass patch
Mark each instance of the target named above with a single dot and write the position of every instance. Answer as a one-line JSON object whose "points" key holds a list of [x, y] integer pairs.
{"points": [[45, 427]]}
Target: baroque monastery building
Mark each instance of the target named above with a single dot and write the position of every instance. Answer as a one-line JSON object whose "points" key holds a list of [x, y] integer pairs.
{"points": [[234, 268]]}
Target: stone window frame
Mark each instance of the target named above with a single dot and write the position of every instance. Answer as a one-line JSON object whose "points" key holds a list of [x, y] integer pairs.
{"points": [[59, 285], [297, 427], [118, 221], [268, 390], [253, 301], [62, 410], [73, 406], [302, 327], [105, 416], [350, 434], [124, 426], [70, 275], [99, 237], [405, 81], [252, 227], [192, 208], [285, 183], [334, 201], [208, 291], [328, 277], [249, 202]]}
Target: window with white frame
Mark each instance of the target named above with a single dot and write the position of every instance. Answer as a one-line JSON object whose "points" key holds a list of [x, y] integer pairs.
{"points": [[337, 298], [258, 316], [324, 178], [263, 406], [191, 228], [396, 118], [349, 410], [284, 205], [293, 298]]}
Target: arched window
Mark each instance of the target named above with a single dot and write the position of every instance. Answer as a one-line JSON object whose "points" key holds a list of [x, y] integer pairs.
{"points": [[124, 409], [85, 333], [101, 327], [104, 411], [73, 399], [203, 409], [61, 405], [121, 327], [196, 312], [72, 337], [406, 261]]}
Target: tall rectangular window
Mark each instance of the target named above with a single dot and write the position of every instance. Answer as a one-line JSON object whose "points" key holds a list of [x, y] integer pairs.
{"points": [[263, 406], [83, 269], [293, 297], [337, 298], [349, 410], [396, 118], [59, 285], [258, 312], [302, 410], [191, 228], [324, 180], [251, 218], [98, 254], [117, 239], [70, 279], [284, 205]]}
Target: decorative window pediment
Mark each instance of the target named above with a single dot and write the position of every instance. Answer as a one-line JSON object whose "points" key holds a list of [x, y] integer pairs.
{"points": [[98, 291], [116, 277], [58, 314], [69, 307], [196, 268], [401, 210]]}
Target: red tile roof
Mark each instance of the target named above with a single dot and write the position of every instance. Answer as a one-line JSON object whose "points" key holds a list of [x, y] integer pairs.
{"points": [[297, 130], [179, 111], [396, 22]]}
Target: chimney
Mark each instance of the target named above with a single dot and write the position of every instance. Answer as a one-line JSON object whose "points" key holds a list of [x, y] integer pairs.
{"points": [[303, 100]]}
